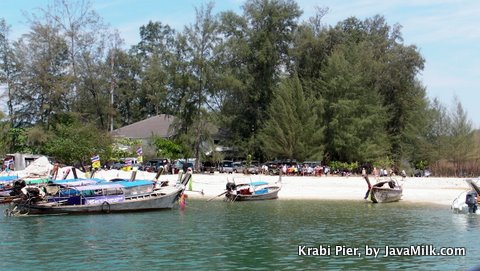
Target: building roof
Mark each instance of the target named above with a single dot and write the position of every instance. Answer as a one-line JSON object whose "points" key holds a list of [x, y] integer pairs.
{"points": [[154, 126]]}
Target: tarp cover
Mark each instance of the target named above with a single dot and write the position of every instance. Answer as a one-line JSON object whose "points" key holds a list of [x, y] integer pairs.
{"points": [[40, 168]]}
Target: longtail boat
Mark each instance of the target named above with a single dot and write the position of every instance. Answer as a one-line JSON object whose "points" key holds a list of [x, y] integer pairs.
{"points": [[99, 198], [384, 191], [250, 191]]}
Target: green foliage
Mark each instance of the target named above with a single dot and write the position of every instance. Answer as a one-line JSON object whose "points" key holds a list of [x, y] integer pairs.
{"points": [[37, 137], [292, 130], [16, 140], [168, 148], [77, 142], [124, 147], [385, 162], [216, 157], [461, 138], [338, 165], [354, 115], [422, 164], [259, 42]]}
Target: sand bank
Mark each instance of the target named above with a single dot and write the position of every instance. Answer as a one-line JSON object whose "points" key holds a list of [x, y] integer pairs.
{"points": [[420, 190]]}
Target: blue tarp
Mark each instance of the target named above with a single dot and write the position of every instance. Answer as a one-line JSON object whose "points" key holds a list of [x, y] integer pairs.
{"points": [[261, 191], [258, 183], [8, 178], [134, 183]]}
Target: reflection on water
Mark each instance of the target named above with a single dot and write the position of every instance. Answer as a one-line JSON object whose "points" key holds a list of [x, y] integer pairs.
{"points": [[250, 235]]}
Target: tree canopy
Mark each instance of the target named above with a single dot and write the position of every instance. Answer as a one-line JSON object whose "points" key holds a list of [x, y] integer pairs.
{"points": [[273, 86]]}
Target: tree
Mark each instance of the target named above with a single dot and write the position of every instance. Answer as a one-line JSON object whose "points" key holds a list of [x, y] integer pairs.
{"points": [[7, 67], [89, 73], [168, 148], [127, 107], [354, 115], [43, 88], [461, 139], [259, 43], [81, 27], [311, 48], [432, 146], [154, 53], [202, 39], [73, 142], [293, 128]]}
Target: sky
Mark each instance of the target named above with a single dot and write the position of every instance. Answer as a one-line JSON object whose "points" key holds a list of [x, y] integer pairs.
{"points": [[446, 32]]}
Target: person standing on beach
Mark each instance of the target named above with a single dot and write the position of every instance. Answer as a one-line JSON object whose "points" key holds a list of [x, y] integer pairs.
{"points": [[375, 173]]}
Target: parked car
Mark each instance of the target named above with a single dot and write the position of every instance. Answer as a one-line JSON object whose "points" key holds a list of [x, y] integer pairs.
{"points": [[238, 167], [208, 167], [154, 164], [226, 167], [187, 165], [117, 165], [422, 173], [254, 168], [182, 165]]}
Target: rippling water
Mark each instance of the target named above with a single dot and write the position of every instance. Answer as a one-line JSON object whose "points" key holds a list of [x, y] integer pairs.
{"points": [[243, 236]]}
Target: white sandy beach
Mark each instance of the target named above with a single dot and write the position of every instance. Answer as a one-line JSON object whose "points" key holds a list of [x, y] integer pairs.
{"points": [[417, 190]]}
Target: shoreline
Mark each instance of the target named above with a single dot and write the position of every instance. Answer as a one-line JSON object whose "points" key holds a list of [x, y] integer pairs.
{"points": [[415, 189], [433, 190]]}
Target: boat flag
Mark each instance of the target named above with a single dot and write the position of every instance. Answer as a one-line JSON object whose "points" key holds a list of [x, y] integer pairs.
{"points": [[7, 163], [140, 155], [95, 161], [128, 165]]}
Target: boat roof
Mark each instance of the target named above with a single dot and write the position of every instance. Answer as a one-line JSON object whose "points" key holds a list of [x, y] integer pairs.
{"points": [[67, 181], [8, 178], [77, 182]]}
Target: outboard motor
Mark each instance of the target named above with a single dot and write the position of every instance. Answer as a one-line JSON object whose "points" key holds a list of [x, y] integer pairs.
{"points": [[471, 201], [231, 186], [33, 193], [17, 187]]}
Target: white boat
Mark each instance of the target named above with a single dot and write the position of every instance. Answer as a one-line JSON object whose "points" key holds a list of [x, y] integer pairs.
{"points": [[250, 191]]}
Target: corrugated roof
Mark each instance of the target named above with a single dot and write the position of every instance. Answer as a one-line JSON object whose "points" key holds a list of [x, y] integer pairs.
{"points": [[154, 126]]}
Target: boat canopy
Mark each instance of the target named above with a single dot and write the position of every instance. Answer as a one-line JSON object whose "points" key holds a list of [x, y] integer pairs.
{"points": [[75, 180], [99, 186], [77, 183], [8, 178]]}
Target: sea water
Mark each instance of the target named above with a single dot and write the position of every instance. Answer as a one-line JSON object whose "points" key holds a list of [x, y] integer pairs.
{"points": [[264, 235]]}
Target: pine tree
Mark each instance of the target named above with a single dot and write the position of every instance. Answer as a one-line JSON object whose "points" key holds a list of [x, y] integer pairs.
{"points": [[292, 129]]}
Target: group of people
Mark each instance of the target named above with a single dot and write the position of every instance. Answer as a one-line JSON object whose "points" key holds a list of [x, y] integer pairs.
{"points": [[303, 170]]}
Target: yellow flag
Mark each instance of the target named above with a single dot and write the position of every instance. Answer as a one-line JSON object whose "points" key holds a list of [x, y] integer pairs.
{"points": [[96, 164]]}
